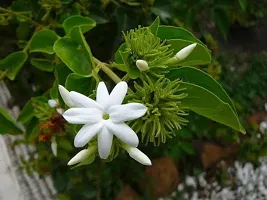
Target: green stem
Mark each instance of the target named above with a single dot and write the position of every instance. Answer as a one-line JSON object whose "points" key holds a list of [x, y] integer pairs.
{"points": [[108, 71], [20, 15]]}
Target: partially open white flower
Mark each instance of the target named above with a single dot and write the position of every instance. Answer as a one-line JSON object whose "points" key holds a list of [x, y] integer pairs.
{"points": [[105, 117], [80, 156], [138, 155], [142, 65], [65, 94], [183, 53]]}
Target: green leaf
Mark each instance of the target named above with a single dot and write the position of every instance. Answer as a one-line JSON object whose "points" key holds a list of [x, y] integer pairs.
{"points": [[118, 58], [243, 4], [155, 26], [133, 72], [171, 32], [81, 84], [199, 56], [85, 23], [43, 41], [8, 125], [54, 90], [207, 104], [73, 55], [13, 62], [200, 78], [26, 113], [221, 21], [77, 36], [42, 64]]}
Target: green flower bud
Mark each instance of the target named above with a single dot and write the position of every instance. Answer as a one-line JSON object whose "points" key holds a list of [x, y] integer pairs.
{"points": [[165, 114]]}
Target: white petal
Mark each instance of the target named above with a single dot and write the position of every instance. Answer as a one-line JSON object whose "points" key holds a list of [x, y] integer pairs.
{"points": [[65, 94], [118, 93], [139, 156], [54, 145], [83, 115], [126, 112], [83, 101], [79, 157], [183, 53], [52, 103], [102, 95], [123, 132], [104, 142], [86, 133]]}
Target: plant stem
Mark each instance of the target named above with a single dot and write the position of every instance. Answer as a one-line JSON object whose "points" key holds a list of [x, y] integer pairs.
{"points": [[20, 15], [98, 195], [108, 71]]}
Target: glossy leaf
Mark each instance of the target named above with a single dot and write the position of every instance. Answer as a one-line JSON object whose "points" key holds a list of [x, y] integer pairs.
{"points": [[86, 84], [171, 32], [207, 104], [85, 23], [73, 55], [43, 41], [8, 125], [199, 56], [200, 78], [13, 63], [26, 113], [42, 64], [155, 26], [77, 36]]}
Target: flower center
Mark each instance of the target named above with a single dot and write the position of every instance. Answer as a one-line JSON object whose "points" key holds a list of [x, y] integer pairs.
{"points": [[105, 116]]}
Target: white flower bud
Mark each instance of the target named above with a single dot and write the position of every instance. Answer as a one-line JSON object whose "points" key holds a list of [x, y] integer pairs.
{"points": [[263, 127], [142, 65], [65, 94], [183, 53], [60, 111], [54, 145], [52, 103], [79, 157], [138, 155]]}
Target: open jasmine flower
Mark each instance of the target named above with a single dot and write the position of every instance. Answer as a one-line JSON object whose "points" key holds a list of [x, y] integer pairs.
{"points": [[105, 117]]}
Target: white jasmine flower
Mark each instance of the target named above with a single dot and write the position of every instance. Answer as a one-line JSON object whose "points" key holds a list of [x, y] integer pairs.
{"points": [[54, 145], [82, 155], [142, 65], [65, 94], [104, 117], [52, 103], [183, 53], [138, 155]]}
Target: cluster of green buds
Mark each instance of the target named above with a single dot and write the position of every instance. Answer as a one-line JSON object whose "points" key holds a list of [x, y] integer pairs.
{"points": [[165, 114]]}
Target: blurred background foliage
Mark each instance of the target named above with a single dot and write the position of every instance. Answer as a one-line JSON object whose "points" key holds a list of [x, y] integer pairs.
{"points": [[233, 29]]}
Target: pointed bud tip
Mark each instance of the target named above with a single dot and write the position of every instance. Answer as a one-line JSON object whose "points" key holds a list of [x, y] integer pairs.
{"points": [[142, 65], [183, 53]]}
